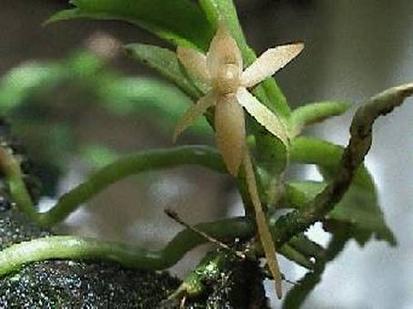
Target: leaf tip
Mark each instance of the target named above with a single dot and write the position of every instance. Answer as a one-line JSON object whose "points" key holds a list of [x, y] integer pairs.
{"points": [[61, 16]]}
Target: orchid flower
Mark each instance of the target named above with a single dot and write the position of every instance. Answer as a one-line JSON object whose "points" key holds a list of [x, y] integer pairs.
{"points": [[221, 70]]}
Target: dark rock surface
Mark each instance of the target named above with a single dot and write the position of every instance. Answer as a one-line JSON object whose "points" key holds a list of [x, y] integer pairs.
{"points": [[73, 284], [76, 284], [69, 284]]}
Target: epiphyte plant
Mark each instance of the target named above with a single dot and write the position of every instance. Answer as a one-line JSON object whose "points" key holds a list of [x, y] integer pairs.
{"points": [[344, 202]]}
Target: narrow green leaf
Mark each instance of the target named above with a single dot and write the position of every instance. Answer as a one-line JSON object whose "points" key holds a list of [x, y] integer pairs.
{"points": [[300, 193], [315, 112], [98, 156], [24, 81], [129, 165], [306, 246], [166, 63], [295, 256], [226, 11], [359, 206], [326, 156], [179, 21], [125, 96]]}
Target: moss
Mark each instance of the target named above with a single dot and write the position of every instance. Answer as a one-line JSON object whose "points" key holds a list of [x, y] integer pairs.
{"points": [[74, 284], [239, 287], [69, 284], [80, 284], [16, 227]]}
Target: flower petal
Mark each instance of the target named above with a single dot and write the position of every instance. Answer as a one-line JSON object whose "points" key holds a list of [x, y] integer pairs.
{"points": [[194, 62], [223, 50], [270, 62], [230, 132], [262, 114], [193, 113]]}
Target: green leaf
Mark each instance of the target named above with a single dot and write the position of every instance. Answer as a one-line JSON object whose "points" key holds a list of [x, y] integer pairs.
{"points": [[85, 64], [225, 10], [315, 112], [271, 153], [34, 81], [359, 206], [98, 156], [179, 21], [23, 81], [326, 156], [166, 63], [306, 246], [295, 256], [125, 96]]}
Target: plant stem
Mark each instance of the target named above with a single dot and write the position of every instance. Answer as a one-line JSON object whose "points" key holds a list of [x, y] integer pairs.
{"points": [[72, 247], [14, 176], [315, 112], [352, 158], [307, 247], [122, 168], [295, 256]]}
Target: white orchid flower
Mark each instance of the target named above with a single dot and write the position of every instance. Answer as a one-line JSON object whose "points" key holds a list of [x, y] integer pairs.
{"points": [[222, 71]]}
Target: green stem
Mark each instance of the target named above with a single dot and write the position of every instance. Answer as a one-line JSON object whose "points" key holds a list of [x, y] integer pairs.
{"points": [[306, 246], [296, 256], [72, 247], [14, 177], [315, 112], [352, 158], [130, 165]]}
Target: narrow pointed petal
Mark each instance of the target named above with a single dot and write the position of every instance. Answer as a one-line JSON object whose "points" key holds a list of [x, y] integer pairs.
{"points": [[193, 113], [270, 62], [223, 50], [230, 132], [194, 62], [262, 114]]}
